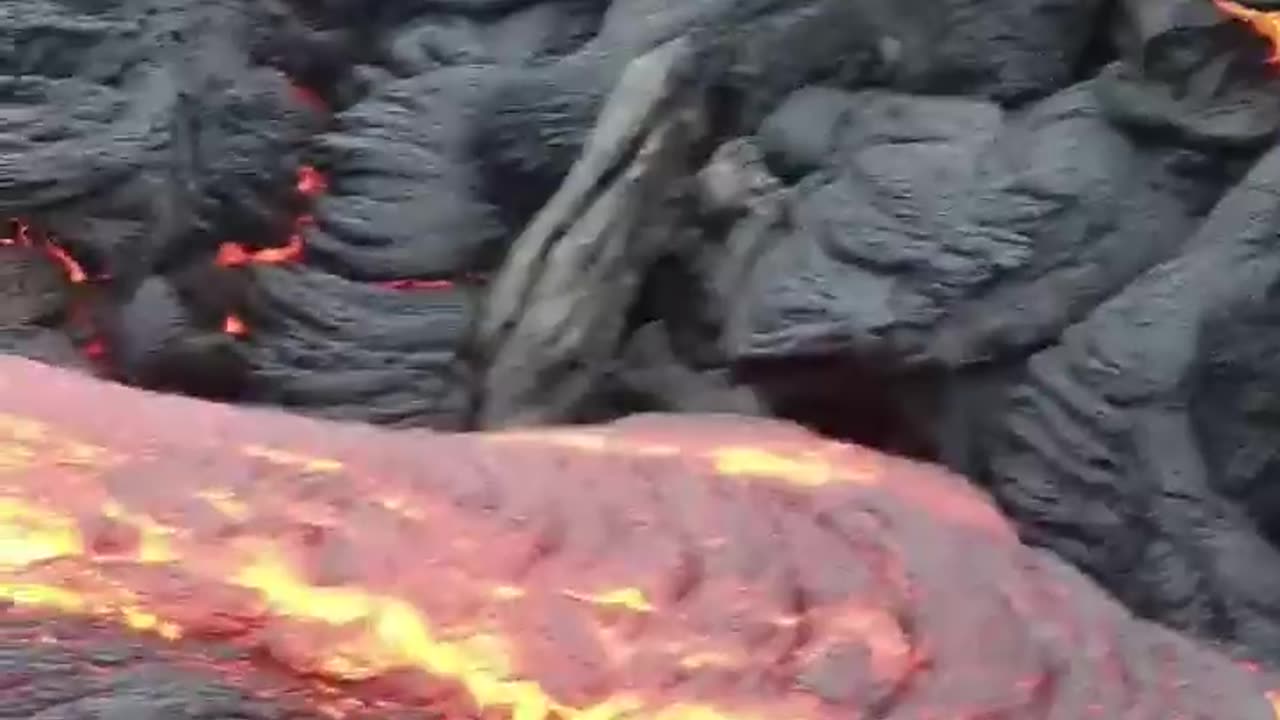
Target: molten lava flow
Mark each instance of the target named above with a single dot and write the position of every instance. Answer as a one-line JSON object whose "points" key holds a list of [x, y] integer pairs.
{"points": [[674, 568], [1266, 24]]}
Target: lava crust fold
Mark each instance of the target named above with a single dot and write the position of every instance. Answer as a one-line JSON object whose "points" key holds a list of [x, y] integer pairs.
{"points": [[691, 567]]}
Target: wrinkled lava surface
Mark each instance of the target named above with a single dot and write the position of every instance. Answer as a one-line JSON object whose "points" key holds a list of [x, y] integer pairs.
{"points": [[662, 567]]}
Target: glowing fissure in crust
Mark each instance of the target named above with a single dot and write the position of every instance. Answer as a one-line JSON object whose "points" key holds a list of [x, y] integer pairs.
{"points": [[1266, 24], [387, 632]]}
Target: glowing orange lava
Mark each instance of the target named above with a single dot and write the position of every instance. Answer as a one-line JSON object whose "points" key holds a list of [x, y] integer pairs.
{"points": [[233, 325], [21, 234], [1266, 24], [231, 254], [667, 568], [311, 182]]}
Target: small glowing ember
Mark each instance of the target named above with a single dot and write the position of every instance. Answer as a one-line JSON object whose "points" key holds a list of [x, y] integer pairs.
{"points": [[1266, 24], [311, 182], [233, 325], [95, 349], [309, 97]]}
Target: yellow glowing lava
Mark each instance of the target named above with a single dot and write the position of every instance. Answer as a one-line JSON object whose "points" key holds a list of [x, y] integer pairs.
{"points": [[629, 598], [396, 635], [29, 535], [754, 462], [48, 560], [292, 459], [225, 502], [800, 468]]}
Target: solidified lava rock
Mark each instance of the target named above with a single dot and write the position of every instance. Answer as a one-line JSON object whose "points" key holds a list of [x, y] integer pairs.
{"points": [[536, 121], [35, 288], [324, 345], [669, 566], [34, 301], [156, 340], [933, 244], [526, 33], [1006, 50], [1188, 74], [174, 127], [141, 130], [1134, 446], [404, 200], [942, 233]]}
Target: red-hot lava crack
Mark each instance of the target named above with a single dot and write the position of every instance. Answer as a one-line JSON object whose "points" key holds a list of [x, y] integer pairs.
{"points": [[1266, 23], [230, 255], [21, 234], [310, 184], [699, 568]]}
